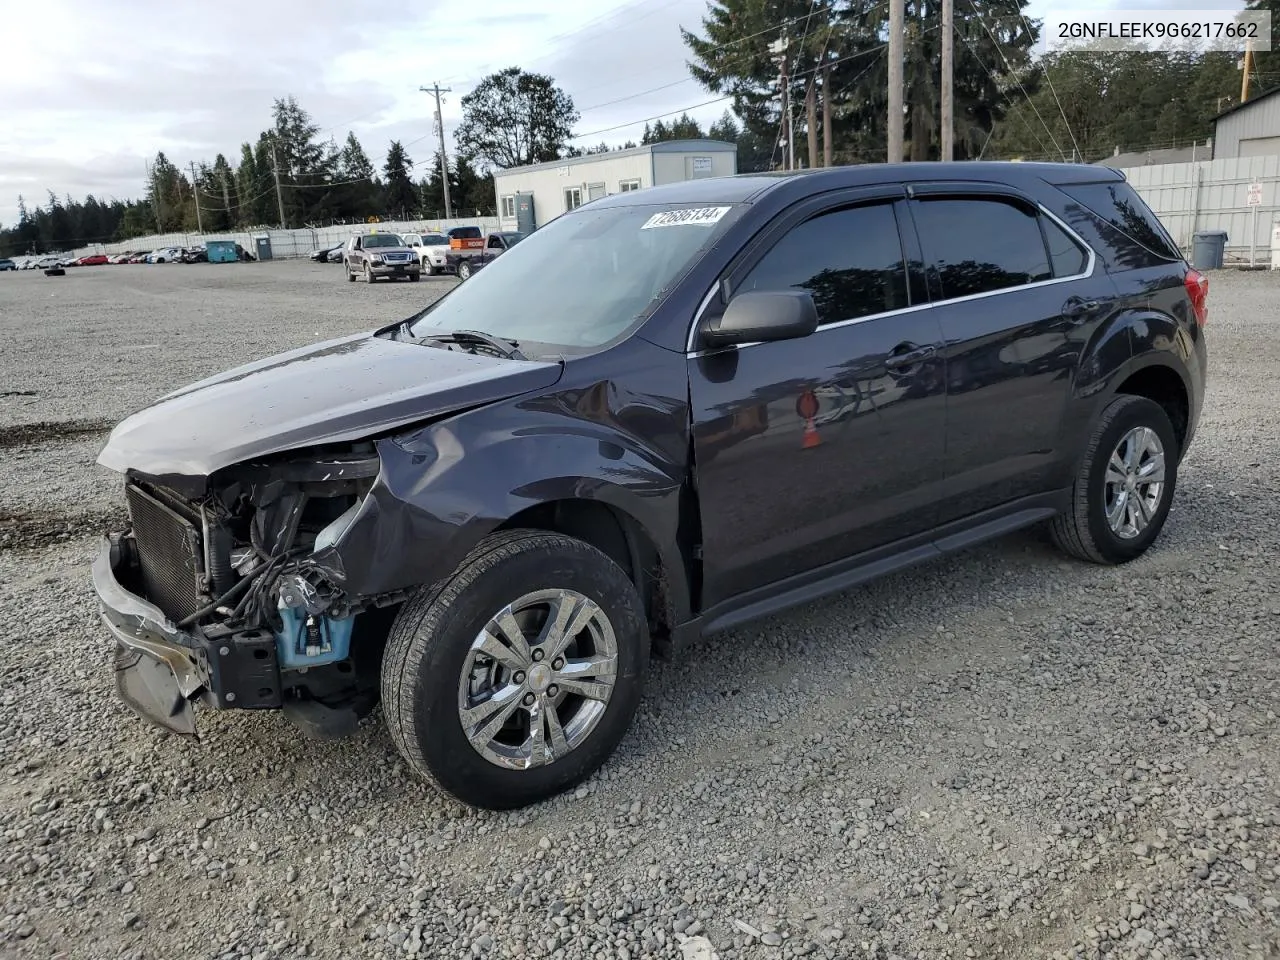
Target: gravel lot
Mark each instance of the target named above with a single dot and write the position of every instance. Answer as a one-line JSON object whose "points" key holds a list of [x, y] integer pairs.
{"points": [[1004, 754]]}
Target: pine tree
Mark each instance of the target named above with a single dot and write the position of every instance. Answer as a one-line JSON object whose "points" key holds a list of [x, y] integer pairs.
{"points": [[400, 197]]}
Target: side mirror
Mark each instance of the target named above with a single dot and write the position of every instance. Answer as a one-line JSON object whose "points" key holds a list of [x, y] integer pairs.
{"points": [[764, 315]]}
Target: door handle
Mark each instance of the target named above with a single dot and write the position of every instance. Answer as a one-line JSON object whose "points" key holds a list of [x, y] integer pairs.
{"points": [[1075, 306], [908, 355]]}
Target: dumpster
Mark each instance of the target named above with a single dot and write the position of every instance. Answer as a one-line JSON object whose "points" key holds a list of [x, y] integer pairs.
{"points": [[222, 251], [262, 245], [1206, 249]]}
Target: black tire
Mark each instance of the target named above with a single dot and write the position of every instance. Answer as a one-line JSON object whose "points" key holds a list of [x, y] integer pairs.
{"points": [[464, 270], [351, 277], [368, 273], [1083, 531], [428, 650], [415, 277], [431, 270]]}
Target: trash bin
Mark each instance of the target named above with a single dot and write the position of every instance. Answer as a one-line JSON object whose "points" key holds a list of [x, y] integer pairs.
{"points": [[1206, 249]]}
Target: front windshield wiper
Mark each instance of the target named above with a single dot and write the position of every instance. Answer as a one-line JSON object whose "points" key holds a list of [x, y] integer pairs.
{"points": [[507, 348]]}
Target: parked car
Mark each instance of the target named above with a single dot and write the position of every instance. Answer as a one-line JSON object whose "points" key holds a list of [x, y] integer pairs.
{"points": [[337, 254], [495, 244], [658, 417], [140, 257], [373, 255], [7, 264], [119, 258], [424, 244], [195, 255], [93, 260], [321, 254], [165, 255]]}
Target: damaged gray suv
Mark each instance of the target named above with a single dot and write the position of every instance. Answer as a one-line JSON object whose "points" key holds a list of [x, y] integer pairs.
{"points": [[659, 416]]}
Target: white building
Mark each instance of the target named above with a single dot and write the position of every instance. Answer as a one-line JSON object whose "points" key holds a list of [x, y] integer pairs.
{"points": [[532, 196]]}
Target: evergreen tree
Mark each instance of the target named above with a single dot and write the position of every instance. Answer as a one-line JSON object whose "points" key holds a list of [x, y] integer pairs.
{"points": [[359, 190], [400, 197]]}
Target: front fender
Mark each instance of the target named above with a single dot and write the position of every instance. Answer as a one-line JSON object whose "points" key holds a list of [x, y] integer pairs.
{"points": [[444, 488]]}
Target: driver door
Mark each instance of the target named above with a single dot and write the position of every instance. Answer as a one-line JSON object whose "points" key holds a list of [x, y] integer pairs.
{"points": [[810, 451]]}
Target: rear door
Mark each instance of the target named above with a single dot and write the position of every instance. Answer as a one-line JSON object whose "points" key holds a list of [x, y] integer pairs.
{"points": [[810, 451], [1017, 295]]}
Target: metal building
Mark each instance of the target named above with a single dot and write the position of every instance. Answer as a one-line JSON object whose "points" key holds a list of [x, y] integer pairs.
{"points": [[529, 197], [1249, 129]]}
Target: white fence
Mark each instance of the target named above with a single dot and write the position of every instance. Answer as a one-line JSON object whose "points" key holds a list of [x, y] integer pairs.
{"points": [[1213, 195], [1188, 197], [288, 244]]}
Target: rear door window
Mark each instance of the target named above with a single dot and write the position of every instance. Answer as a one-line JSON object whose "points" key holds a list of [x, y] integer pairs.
{"points": [[850, 260], [976, 245], [1068, 257]]}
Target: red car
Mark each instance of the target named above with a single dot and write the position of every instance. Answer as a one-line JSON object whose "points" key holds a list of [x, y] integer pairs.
{"points": [[92, 260]]}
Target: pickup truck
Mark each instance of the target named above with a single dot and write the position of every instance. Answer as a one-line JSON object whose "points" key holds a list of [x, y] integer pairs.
{"points": [[422, 244], [458, 243], [492, 246]]}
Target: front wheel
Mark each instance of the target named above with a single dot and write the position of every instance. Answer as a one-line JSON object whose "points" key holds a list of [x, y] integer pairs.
{"points": [[368, 274], [516, 677], [1124, 485]]}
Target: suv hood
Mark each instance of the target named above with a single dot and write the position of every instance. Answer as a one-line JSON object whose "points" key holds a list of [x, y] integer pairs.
{"points": [[332, 392]]}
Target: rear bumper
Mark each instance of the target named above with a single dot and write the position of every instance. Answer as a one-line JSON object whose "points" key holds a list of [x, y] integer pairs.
{"points": [[162, 671]]}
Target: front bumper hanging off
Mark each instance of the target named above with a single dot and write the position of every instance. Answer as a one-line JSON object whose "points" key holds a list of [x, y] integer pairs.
{"points": [[162, 670]]}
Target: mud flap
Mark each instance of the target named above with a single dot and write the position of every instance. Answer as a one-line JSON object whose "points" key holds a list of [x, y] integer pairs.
{"points": [[150, 689]]}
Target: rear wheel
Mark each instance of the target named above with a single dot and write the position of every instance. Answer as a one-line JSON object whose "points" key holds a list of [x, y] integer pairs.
{"points": [[464, 270], [1125, 484], [516, 677]]}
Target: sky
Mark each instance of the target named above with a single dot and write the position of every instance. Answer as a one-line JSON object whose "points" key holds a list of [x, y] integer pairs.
{"points": [[93, 90]]}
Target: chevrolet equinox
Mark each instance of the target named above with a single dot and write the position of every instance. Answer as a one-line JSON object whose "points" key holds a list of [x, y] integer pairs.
{"points": [[659, 416]]}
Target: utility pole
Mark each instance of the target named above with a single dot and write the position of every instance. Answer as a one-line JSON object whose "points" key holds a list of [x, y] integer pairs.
{"points": [[778, 48], [895, 126], [811, 117], [226, 198], [948, 81], [826, 115], [275, 169], [1248, 64], [195, 195], [444, 164]]}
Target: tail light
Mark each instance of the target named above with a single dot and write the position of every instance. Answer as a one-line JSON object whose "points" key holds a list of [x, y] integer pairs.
{"points": [[1197, 285]]}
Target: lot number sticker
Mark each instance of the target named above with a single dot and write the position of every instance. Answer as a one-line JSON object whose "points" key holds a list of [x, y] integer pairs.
{"points": [[680, 218]]}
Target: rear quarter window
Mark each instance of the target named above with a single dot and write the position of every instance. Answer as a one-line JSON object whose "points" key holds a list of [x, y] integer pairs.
{"points": [[1118, 205]]}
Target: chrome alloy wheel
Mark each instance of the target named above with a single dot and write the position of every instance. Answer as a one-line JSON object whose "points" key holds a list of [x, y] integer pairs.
{"points": [[1134, 484], [537, 679]]}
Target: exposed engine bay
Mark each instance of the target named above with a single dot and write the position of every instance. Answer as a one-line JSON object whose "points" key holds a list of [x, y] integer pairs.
{"points": [[231, 560]]}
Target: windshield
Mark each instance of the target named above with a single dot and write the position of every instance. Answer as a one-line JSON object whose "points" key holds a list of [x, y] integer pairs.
{"points": [[382, 240], [584, 279], [512, 238]]}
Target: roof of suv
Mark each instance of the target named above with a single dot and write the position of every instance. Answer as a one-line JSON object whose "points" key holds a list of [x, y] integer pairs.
{"points": [[746, 187]]}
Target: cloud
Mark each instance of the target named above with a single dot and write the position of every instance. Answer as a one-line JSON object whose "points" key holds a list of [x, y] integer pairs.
{"points": [[93, 90]]}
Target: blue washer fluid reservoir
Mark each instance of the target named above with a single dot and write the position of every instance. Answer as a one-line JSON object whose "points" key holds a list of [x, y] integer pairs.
{"points": [[296, 643]]}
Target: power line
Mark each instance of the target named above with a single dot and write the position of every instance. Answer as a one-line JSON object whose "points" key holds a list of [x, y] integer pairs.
{"points": [[1065, 122], [1000, 50]]}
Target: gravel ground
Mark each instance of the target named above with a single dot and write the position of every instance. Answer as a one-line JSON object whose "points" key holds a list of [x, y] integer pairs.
{"points": [[1003, 754]]}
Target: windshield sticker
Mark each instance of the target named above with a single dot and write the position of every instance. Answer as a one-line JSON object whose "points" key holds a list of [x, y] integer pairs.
{"points": [[680, 218]]}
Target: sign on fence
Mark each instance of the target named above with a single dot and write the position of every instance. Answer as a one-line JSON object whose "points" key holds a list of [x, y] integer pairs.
{"points": [[1255, 195]]}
